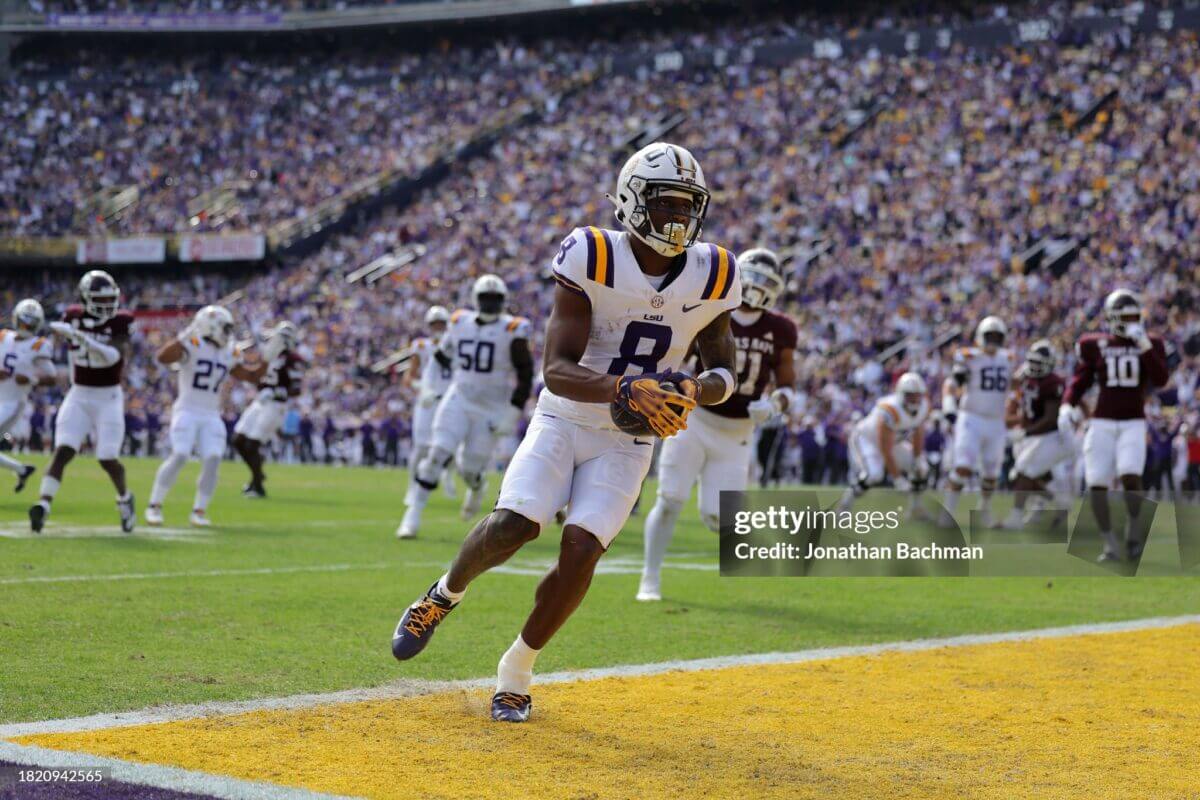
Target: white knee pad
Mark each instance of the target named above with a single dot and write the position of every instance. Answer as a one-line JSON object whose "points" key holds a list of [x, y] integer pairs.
{"points": [[669, 507]]}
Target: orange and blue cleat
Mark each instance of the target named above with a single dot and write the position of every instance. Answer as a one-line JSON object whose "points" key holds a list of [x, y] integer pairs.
{"points": [[418, 624], [511, 707]]}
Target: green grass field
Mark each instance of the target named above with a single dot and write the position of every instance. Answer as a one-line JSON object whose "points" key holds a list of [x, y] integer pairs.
{"points": [[299, 593]]}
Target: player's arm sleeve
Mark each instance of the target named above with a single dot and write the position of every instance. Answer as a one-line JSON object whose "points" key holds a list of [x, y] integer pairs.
{"points": [[522, 361], [1156, 364], [1084, 376]]}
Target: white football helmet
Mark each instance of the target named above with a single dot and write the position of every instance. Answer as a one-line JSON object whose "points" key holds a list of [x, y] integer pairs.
{"points": [[100, 294], [1122, 309], [28, 318], [215, 323], [1041, 359], [489, 294], [661, 170], [991, 326], [762, 282], [911, 388], [437, 314]]}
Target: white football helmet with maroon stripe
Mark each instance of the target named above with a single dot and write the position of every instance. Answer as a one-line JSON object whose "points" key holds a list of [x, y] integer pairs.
{"points": [[100, 294]]}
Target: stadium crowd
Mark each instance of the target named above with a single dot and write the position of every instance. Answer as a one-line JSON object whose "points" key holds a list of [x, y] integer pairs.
{"points": [[925, 210]]}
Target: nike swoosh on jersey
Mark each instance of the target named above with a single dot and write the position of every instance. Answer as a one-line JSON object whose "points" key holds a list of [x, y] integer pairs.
{"points": [[639, 441], [687, 308]]}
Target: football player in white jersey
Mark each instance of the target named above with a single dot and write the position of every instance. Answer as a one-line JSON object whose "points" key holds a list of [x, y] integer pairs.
{"points": [[982, 375], [432, 379], [26, 360], [204, 356], [716, 448], [888, 442], [491, 380], [627, 306]]}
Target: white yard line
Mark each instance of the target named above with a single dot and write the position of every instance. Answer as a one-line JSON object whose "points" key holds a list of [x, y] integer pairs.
{"points": [[615, 567], [216, 573], [412, 687]]}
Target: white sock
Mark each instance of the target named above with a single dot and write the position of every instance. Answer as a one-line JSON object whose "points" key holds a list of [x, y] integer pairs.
{"points": [[951, 501], [985, 503], [660, 527], [515, 672], [418, 497], [207, 483], [11, 463], [49, 489], [444, 591], [164, 479]]}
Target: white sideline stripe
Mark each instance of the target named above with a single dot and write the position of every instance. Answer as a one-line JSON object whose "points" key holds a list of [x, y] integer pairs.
{"points": [[618, 568], [162, 777], [413, 687], [209, 573]]}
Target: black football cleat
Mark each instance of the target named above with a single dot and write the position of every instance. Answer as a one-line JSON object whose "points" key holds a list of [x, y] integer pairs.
{"points": [[254, 492], [511, 707], [37, 517], [419, 622], [24, 475]]}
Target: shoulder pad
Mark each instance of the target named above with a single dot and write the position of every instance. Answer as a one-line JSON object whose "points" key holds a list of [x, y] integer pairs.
{"points": [[722, 272], [515, 323]]}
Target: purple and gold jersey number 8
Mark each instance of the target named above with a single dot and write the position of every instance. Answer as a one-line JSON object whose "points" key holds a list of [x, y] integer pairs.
{"points": [[659, 337]]}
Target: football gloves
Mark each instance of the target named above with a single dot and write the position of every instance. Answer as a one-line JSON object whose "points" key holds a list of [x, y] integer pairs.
{"points": [[761, 410], [644, 395], [1137, 332]]}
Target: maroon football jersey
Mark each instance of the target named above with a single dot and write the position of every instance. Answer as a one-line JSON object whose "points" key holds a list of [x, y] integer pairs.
{"points": [[1034, 394], [759, 347], [1124, 375], [115, 327], [282, 378]]}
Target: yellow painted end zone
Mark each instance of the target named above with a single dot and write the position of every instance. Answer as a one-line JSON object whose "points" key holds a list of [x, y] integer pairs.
{"points": [[1104, 716]]}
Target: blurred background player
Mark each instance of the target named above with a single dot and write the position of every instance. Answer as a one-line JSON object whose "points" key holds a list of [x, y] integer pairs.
{"points": [[432, 379], [717, 445], [26, 360], [979, 392], [889, 442], [203, 355], [1041, 445], [279, 382], [97, 338], [1126, 363], [492, 378]]}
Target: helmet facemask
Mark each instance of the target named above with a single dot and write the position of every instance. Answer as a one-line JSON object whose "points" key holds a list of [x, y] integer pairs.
{"points": [[912, 402], [28, 318], [1121, 319], [102, 304], [760, 286], [489, 305], [1040, 360], [675, 235]]}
